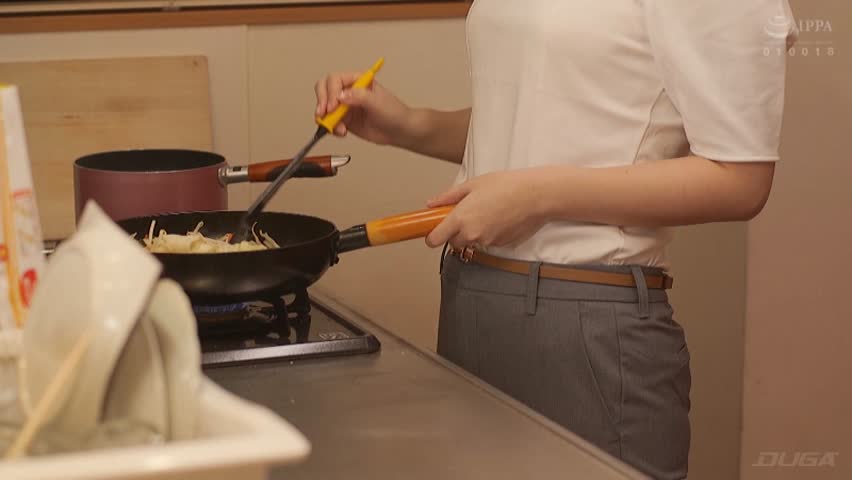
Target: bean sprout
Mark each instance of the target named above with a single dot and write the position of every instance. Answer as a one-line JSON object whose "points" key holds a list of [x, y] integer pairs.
{"points": [[195, 242]]}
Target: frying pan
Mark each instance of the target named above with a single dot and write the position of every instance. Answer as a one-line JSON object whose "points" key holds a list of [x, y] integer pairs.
{"points": [[309, 246], [133, 183]]}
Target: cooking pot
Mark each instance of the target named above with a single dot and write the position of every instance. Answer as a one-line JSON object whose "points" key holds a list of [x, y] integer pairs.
{"points": [[134, 183]]}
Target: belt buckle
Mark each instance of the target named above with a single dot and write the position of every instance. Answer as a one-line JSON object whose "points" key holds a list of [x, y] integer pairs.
{"points": [[466, 254]]}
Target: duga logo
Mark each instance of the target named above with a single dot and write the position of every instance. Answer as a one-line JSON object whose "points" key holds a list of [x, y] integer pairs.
{"points": [[796, 459]]}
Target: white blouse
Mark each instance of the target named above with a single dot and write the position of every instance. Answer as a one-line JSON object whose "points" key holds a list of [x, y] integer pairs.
{"points": [[600, 83]]}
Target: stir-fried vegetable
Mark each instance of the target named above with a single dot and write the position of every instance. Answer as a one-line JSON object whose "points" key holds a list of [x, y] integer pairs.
{"points": [[195, 242]]}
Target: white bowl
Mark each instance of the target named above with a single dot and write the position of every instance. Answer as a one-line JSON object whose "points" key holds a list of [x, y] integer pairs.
{"points": [[170, 313], [137, 395], [98, 281]]}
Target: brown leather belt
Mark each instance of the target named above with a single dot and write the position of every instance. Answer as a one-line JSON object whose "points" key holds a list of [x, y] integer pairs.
{"points": [[468, 255]]}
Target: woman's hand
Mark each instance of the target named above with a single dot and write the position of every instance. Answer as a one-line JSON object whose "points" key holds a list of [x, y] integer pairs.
{"points": [[375, 114], [497, 209]]}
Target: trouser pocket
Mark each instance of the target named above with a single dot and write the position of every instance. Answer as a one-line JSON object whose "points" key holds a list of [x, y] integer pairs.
{"points": [[457, 340], [655, 424]]}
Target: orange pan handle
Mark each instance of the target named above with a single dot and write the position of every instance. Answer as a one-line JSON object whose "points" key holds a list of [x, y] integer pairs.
{"points": [[398, 228], [406, 226]]}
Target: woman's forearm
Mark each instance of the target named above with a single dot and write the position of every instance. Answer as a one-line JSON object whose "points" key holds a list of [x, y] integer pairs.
{"points": [[507, 207], [680, 191], [438, 134]]}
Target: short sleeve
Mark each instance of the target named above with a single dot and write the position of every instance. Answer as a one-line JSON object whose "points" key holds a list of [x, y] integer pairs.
{"points": [[723, 66]]}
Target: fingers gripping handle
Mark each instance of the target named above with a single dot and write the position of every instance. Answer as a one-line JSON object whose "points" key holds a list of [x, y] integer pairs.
{"points": [[330, 121]]}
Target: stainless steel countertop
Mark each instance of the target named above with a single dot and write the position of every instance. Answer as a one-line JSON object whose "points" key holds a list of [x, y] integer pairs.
{"points": [[407, 413]]}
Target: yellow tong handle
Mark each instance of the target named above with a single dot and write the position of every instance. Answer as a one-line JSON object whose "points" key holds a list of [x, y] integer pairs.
{"points": [[330, 121]]}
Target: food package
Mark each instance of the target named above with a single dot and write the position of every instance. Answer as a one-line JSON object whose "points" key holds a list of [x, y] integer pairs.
{"points": [[21, 257], [21, 245]]}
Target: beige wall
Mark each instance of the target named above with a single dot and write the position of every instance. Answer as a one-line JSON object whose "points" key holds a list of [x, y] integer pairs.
{"points": [[709, 300], [262, 105], [798, 370]]}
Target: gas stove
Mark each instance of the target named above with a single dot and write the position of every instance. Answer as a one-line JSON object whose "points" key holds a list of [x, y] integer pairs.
{"points": [[290, 327]]}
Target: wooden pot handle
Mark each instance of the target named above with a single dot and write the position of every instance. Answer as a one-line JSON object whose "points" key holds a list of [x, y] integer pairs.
{"points": [[313, 167], [317, 167]]}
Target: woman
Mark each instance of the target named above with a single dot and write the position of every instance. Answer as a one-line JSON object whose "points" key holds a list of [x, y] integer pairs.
{"points": [[594, 128]]}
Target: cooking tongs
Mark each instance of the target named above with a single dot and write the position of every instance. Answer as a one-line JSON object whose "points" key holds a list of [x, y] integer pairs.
{"points": [[327, 125]]}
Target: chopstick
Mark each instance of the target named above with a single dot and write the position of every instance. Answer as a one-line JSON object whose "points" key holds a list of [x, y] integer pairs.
{"points": [[35, 420]]}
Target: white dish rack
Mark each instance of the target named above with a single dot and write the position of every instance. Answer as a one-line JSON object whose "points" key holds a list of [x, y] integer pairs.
{"points": [[236, 439]]}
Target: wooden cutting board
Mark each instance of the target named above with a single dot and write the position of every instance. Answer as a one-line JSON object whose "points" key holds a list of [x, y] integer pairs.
{"points": [[73, 108]]}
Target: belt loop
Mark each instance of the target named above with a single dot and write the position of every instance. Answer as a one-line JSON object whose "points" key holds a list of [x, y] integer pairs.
{"points": [[532, 288], [443, 257], [642, 290]]}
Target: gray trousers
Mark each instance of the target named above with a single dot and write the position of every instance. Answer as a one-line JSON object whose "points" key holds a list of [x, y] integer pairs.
{"points": [[608, 363]]}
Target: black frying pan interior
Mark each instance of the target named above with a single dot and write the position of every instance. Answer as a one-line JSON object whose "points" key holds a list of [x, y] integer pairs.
{"points": [[308, 249]]}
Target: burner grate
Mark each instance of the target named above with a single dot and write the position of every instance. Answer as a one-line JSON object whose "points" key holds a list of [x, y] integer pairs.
{"points": [[281, 328]]}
